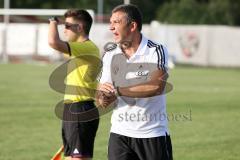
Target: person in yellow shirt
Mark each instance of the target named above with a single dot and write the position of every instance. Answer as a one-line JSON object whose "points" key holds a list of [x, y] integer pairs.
{"points": [[83, 67]]}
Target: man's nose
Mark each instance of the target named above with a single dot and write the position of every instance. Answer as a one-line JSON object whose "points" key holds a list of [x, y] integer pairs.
{"points": [[111, 27]]}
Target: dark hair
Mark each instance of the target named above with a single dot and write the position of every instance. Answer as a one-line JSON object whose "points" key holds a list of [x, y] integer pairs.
{"points": [[82, 16], [133, 13]]}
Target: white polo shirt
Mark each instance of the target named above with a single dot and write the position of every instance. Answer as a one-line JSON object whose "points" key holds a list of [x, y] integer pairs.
{"points": [[137, 117]]}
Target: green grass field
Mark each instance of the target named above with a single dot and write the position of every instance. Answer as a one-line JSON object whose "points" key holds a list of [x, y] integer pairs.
{"points": [[204, 114]]}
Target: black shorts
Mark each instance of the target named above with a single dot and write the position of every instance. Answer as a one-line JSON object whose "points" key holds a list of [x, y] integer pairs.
{"points": [[78, 136], [128, 148]]}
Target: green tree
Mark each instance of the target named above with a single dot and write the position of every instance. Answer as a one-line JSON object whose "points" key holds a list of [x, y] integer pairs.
{"points": [[181, 12], [225, 12], [53, 4], [148, 8], [1, 4], [218, 12]]}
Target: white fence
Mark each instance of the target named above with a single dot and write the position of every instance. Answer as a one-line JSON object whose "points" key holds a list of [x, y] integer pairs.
{"points": [[188, 44], [200, 45]]}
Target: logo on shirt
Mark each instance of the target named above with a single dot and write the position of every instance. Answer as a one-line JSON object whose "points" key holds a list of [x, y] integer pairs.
{"points": [[115, 70], [137, 74], [142, 73]]}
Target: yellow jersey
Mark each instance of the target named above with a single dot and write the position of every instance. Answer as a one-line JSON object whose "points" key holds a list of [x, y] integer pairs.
{"points": [[82, 71]]}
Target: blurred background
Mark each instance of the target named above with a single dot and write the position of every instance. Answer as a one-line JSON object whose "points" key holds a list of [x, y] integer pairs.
{"points": [[199, 32], [203, 40]]}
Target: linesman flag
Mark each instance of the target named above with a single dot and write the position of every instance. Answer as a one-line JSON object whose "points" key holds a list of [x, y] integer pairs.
{"points": [[59, 154]]}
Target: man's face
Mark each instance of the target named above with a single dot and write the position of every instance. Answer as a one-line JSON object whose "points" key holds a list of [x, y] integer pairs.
{"points": [[120, 28], [71, 30]]}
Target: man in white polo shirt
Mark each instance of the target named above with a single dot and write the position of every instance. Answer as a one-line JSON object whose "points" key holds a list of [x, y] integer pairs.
{"points": [[135, 69]]}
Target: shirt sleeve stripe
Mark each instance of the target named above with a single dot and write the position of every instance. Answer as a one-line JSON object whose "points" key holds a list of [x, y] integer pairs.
{"points": [[160, 54], [163, 57]]}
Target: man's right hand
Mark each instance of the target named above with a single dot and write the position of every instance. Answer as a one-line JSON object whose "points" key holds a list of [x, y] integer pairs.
{"points": [[105, 95]]}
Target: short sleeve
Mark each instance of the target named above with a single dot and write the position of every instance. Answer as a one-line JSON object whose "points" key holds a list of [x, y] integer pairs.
{"points": [[162, 54], [106, 69]]}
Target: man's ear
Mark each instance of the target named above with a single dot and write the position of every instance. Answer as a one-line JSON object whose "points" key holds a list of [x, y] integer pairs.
{"points": [[80, 28], [133, 26]]}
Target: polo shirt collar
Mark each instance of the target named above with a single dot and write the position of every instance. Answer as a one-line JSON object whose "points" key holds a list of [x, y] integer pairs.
{"points": [[141, 48]]}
